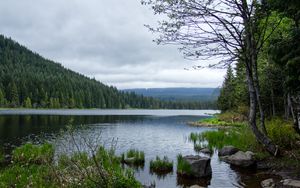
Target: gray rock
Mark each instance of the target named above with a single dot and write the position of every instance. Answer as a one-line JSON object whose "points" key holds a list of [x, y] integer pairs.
{"points": [[228, 150], [200, 166], [290, 183], [242, 159], [268, 183], [206, 151]]}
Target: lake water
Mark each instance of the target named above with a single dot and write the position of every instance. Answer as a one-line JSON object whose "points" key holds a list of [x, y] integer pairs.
{"points": [[156, 132]]}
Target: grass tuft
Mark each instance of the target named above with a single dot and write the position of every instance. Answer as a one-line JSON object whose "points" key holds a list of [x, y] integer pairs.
{"points": [[134, 157], [183, 167], [161, 165]]}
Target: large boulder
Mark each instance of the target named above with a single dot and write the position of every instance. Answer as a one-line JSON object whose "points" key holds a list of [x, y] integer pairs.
{"points": [[228, 150], [290, 183], [200, 166], [240, 158]]}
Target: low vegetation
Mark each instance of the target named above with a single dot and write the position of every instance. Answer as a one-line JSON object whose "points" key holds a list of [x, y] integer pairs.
{"points": [[33, 154], [33, 166], [163, 165], [183, 168], [280, 132], [216, 121], [133, 157]]}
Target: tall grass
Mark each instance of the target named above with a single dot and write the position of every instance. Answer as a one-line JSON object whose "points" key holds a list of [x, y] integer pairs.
{"points": [[183, 167], [33, 166]]}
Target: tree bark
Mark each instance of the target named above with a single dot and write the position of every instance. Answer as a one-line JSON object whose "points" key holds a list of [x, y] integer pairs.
{"points": [[258, 98]]}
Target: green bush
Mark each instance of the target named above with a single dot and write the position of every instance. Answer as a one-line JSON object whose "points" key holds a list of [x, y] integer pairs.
{"points": [[183, 167], [282, 133], [133, 157], [161, 165], [33, 154]]}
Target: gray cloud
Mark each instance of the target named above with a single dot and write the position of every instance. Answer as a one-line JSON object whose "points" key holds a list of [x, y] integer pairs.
{"points": [[104, 39]]}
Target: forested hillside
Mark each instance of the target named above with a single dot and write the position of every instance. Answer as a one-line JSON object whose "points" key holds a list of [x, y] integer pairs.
{"points": [[179, 94], [29, 80]]}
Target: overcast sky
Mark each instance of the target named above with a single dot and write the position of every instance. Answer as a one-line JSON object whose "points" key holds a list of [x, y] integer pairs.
{"points": [[104, 39]]}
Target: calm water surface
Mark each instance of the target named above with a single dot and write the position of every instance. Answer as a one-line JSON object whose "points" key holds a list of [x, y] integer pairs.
{"points": [[156, 132]]}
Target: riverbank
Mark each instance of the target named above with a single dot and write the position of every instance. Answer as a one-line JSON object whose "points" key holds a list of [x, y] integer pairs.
{"points": [[236, 133]]}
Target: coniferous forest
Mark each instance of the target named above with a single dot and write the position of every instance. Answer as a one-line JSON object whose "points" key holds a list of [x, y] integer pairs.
{"points": [[31, 81]]}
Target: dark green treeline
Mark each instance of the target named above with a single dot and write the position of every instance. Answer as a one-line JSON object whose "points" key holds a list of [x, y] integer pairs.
{"points": [[31, 81]]}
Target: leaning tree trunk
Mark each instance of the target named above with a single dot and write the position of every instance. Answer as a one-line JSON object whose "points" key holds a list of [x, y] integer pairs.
{"points": [[258, 97], [262, 138]]}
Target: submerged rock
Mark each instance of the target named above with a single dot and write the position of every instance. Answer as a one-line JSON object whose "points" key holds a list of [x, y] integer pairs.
{"points": [[268, 183], [240, 158], [200, 166], [228, 150], [290, 183]]}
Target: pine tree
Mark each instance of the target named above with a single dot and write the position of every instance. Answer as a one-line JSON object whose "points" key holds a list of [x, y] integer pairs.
{"points": [[27, 103], [226, 98]]}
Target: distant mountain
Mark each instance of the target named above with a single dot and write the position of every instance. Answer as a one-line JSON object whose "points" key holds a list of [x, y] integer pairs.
{"points": [[179, 94]]}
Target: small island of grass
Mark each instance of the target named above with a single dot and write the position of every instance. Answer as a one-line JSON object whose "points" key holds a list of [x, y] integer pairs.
{"points": [[161, 166], [133, 157]]}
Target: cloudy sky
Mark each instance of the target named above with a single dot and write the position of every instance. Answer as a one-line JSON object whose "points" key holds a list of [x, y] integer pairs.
{"points": [[104, 39]]}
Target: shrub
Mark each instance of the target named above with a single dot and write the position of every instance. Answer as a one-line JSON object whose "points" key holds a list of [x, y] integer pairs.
{"points": [[282, 133], [161, 165], [33, 154], [183, 167]]}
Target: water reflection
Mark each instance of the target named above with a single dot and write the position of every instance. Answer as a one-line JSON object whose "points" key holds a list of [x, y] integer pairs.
{"points": [[187, 182]]}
